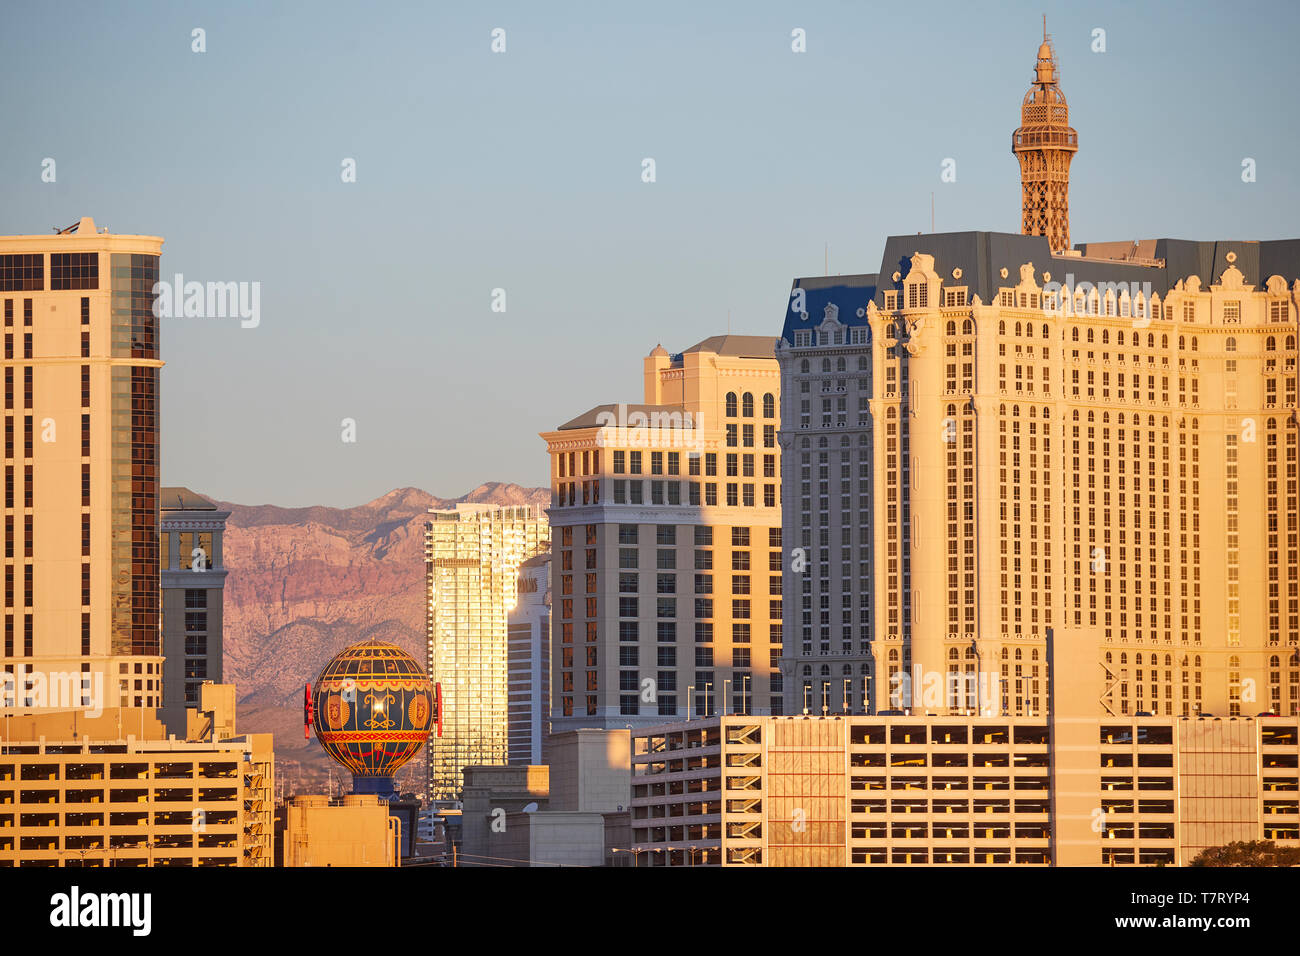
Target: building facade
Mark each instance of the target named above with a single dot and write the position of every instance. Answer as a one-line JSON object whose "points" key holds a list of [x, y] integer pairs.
{"points": [[667, 554], [111, 789], [473, 555], [80, 531], [944, 791], [356, 830], [1069, 787], [988, 438], [193, 584], [528, 665]]}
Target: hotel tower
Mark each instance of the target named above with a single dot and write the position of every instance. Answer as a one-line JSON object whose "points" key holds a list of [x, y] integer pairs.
{"points": [[473, 556], [996, 441], [666, 565], [81, 591]]}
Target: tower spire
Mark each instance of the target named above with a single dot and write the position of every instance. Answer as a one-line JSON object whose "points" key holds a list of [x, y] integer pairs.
{"points": [[1045, 144]]}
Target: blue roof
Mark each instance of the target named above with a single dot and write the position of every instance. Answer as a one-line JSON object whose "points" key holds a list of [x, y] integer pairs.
{"points": [[849, 294], [982, 256]]}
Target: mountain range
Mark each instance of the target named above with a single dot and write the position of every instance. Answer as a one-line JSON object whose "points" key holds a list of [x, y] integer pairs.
{"points": [[303, 584]]}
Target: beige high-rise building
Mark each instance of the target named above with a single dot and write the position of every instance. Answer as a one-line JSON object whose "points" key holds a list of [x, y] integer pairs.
{"points": [[473, 556], [80, 531], [666, 565], [987, 439]]}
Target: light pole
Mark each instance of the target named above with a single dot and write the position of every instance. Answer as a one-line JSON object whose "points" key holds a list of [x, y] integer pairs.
{"points": [[848, 683], [826, 697], [690, 701], [708, 687], [744, 693], [807, 692]]}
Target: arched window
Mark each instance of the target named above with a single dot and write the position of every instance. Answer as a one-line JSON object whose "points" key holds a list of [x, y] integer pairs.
{"points": [[862, 363], [1230, 345], [803, 367], [968, 327], [1074, 334], [839, 364], [826, 365], [747, 405], [769, 406], [731, 404]]}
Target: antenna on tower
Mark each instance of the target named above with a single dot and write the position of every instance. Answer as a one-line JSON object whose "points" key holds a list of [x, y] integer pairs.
{"points": [[1044, 28]]}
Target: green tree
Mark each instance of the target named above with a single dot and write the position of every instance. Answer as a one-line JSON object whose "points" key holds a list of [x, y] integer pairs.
{"points": [[1253, 853]]}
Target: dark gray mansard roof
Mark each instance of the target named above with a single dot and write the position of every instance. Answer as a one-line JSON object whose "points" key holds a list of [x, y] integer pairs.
{"points": [[982, 256]]}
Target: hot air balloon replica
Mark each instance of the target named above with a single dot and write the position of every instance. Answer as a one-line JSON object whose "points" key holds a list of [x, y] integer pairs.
{"points": [[373, 709]]}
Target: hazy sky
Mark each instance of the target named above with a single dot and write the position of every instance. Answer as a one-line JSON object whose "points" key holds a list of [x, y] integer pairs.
{"points": [[522, 170]]}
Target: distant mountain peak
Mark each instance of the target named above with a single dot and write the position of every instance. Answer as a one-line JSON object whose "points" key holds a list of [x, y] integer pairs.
{"points": [[304, 583]]}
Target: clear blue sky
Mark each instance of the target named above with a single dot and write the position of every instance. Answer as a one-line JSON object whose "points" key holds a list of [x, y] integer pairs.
{"points": [[522, 171]]}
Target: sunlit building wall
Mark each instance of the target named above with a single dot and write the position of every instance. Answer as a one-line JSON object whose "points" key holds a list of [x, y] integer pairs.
{"points": [[473, 555], [80, 525], [666, 566], [994, 435]]}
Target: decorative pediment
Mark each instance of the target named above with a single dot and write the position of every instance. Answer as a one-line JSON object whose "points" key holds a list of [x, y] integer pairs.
{"points": [[1231, 279], [922, 267], [1193, 284], [1276, 285]]}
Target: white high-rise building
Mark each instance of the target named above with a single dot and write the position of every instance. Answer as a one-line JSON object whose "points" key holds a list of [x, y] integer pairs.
{"points": [[473, 554]]}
